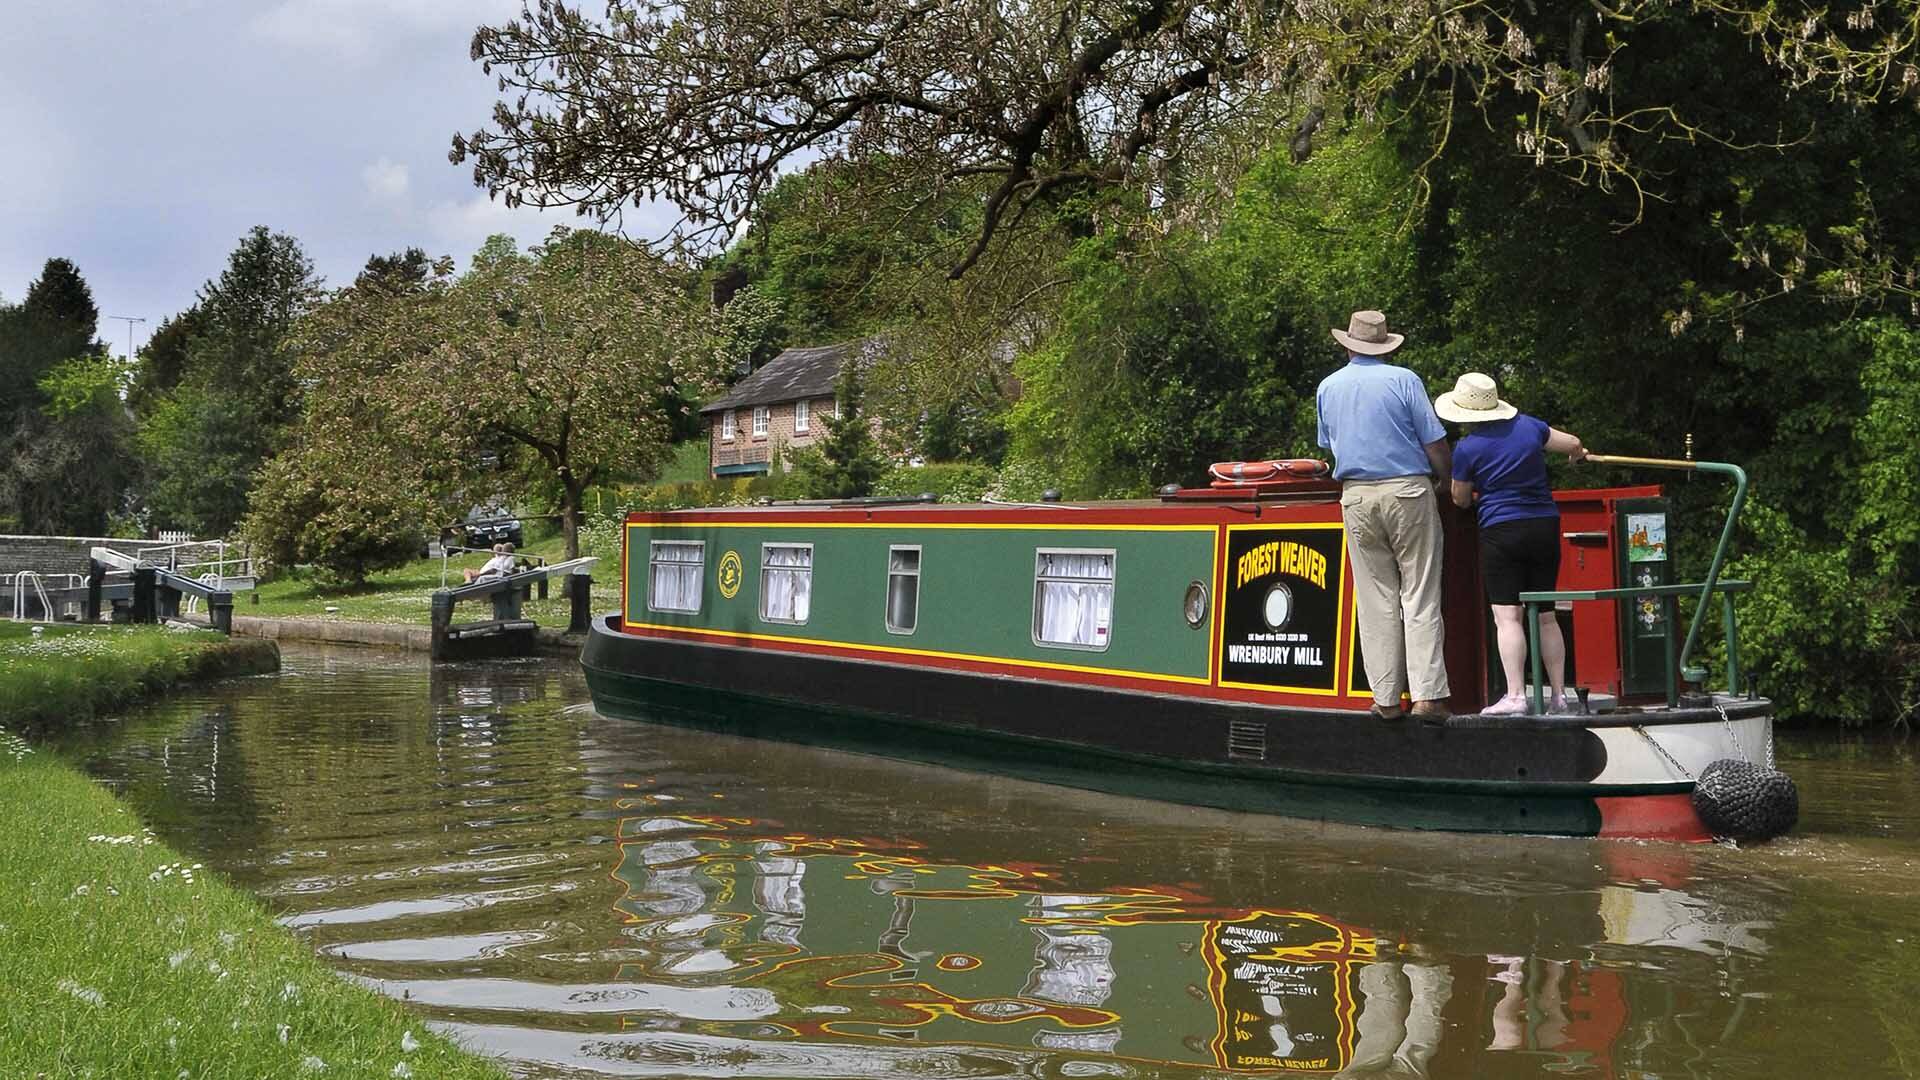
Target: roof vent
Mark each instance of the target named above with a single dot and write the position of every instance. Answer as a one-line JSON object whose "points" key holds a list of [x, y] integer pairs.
{"points": [[1050, 495]]}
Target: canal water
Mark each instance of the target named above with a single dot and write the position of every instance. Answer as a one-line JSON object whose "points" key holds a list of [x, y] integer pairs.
{"points": [[591, 897]]}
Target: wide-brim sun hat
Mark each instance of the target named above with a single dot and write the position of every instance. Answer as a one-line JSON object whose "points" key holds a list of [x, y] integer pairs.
{"points": [[1474, 399], [1366, 334]]}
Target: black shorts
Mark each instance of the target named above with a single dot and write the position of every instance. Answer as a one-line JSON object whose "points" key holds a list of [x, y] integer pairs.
{"points": [[1520, 556]]}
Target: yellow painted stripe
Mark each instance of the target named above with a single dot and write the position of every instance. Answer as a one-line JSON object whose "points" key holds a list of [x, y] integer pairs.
{"points": [[897, 650]]}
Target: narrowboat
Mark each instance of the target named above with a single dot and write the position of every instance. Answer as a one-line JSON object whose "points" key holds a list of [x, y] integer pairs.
{"points": [[1200, 647]]}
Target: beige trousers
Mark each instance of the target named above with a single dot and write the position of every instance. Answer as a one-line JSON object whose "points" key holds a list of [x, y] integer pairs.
{"points": [[1393, 538]]}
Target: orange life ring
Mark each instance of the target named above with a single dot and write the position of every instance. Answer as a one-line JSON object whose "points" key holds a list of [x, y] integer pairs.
{"points": [[1260, 472]]}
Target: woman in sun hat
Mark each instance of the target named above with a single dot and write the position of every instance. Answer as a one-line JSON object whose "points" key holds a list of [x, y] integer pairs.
{"points": [[1500, 466]]}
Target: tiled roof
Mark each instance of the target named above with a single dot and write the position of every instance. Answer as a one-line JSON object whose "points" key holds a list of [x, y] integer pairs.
{"points": [[792, 375]]}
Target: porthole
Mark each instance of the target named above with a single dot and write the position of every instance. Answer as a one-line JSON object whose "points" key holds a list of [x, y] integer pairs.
{"points": [[1194, 607], [1277, 608]]}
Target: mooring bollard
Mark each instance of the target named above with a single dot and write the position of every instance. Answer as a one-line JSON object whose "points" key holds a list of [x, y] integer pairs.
{"points": [[96, 581], [580, 592], [144, 587], [442, 619]]}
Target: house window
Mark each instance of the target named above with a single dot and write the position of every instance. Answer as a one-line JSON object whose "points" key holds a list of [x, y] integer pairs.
{"points": [[786, 582], [760, 413], [903, 589], [674, 575], [727, 424], [1073, 598], [802, 416]]}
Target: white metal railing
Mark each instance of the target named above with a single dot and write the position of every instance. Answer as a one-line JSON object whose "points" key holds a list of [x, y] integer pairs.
{"points": [[20, 582]]}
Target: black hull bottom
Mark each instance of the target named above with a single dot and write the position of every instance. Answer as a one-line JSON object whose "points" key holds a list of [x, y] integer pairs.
{"points": [[1317, 764]]}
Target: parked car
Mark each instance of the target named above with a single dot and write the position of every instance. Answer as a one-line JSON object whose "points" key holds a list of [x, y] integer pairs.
{"points": [[489, 525]]}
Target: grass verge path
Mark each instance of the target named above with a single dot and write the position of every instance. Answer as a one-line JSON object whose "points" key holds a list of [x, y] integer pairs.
{"points": [[120, 958]]}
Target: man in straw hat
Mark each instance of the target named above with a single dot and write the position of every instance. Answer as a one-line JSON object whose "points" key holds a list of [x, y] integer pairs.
{"points": [[1388, 449]]}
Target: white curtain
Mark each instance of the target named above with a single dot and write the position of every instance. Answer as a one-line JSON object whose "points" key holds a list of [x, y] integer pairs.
{"points": [[786, 584], [1075, 600], [675, 577]]}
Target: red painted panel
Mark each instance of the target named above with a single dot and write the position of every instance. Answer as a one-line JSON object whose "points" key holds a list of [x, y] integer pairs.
{"points": [[1651, 817]]}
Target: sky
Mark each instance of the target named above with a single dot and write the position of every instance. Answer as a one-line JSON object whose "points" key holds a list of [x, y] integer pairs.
{"points": [[142, 139]]}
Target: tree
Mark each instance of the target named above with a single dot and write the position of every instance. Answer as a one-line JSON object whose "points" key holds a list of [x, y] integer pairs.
{"points": [[704, 103], [850, 460], [578, 353], [55, 322], [327, 503], [236, 393], [163, 359], [402, 271], [64, 465]]}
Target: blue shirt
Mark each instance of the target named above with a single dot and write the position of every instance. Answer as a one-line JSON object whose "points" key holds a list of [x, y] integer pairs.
{"points": [[1376, 419], [1506, 462]]}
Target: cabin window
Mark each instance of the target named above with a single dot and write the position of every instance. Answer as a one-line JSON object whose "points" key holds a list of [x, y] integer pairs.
{"points": [[1073, 598], [802, 416], [760, 414], [727, 422], [903, 589], [675, 572], [786, 582]]}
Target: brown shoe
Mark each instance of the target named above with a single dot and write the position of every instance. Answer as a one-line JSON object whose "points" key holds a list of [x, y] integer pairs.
{"points": [[1382, 714], [1431, 712]]}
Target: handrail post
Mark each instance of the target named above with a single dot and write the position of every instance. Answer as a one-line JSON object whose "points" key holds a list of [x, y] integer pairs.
{"points": [[1719, 552], [1539, 665], [1669, 611]]}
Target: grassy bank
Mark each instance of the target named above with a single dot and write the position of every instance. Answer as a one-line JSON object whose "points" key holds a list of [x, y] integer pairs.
{"points": [[404, 595], [66, 673], [120, 958]]}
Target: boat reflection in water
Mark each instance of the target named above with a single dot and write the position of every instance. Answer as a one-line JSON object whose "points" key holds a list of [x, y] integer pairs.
{"points": [[830, 943]]}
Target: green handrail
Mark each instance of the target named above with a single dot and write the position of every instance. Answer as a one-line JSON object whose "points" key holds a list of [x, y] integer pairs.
{"points": [[1726, 533], [1668, 594]]}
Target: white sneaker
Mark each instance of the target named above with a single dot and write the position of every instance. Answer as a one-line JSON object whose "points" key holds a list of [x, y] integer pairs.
{"points": [[1511, 705]]}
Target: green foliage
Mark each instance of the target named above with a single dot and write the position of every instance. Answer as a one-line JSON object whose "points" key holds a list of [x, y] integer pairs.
{"points": [[202, 447], [847, 463], [55, 323], [163, 359], [343, 512], [235, 392], [950, 482], [1170, 357], [86, 384], [581, 357]]}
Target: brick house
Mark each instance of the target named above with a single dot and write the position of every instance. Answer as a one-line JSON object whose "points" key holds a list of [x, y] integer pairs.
{"points": [[781, 405]]}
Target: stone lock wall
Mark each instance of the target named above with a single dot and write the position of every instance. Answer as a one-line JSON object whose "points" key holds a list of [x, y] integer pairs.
{"points": [[68, 554]]}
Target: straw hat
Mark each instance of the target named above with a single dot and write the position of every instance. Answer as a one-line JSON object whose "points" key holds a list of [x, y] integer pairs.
{"points": [[1367, 335], [1473, 400]]}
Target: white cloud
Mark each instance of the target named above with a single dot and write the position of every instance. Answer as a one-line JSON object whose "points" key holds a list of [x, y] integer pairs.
{"points": [[358, 30], [462, 226], [385, 180]]}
